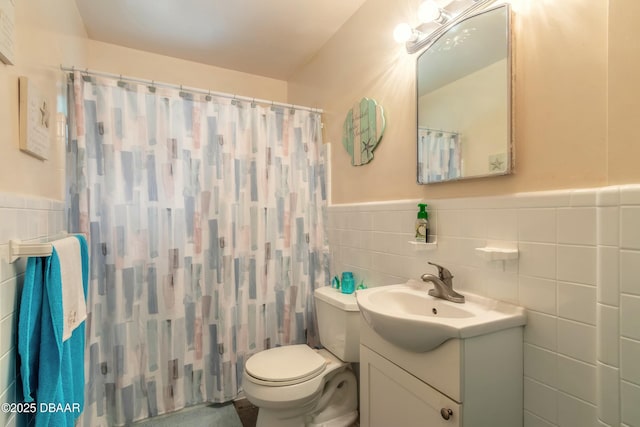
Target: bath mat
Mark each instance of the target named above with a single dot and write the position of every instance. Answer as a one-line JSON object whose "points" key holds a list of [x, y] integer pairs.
{"points": [[210, 415]]}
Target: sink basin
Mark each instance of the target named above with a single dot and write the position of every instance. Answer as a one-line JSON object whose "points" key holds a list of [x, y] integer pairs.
{"points": [[407, 316]]}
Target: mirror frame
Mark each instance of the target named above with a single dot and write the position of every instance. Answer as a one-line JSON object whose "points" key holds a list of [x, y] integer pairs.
{"points": [[510, 80]]}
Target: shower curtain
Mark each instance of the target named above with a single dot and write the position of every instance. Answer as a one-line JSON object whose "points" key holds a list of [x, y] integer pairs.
{"points": [[439, 155], [206, 219]]}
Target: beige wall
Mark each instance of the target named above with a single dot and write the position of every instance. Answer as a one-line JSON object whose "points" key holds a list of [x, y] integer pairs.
{"points": [[47, 34], [560, 101], [624, 92], [51, 34], [568, 132], [136, 63]]}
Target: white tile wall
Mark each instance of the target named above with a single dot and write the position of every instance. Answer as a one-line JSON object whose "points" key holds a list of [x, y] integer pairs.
{"points": [[577, 226], [608, 321], [629, 360], [578, 275], [541, 365], [630, 396], [573, 412], [577, 379], [609, 275], [577, 264], [629, 309], [541, 400], [577, 302], [577, 340], [608, 394], [630, 227], [538, 294], [26, 219], [530, 420], [630, 272]]}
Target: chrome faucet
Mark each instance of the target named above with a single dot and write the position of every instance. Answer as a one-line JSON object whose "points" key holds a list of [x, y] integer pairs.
{"points": [[443, 285]]}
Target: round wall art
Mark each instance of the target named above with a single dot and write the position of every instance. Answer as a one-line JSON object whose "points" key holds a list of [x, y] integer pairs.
{"points": [[362, 130]]}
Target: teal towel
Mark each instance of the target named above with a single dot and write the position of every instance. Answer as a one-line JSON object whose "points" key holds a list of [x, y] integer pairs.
{"points": [[52, 370]]}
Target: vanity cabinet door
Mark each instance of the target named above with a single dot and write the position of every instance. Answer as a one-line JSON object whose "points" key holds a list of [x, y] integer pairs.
{"points": [[390, 396]]}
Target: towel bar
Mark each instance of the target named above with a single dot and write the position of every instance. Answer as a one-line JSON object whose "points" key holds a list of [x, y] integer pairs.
{"points": [[18, 249]]}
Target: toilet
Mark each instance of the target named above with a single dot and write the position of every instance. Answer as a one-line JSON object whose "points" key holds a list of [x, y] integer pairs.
{"points": [[296, 386]]}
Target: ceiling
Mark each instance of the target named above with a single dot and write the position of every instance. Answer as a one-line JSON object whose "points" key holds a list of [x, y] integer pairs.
{"points": [[265, 37]]}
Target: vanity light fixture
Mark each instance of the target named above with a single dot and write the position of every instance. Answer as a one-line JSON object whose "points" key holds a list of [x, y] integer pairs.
{"points": [[403, 33], [435, 16], [429, 11]]}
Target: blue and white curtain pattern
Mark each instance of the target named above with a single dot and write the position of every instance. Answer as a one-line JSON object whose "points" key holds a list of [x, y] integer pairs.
{"points": [[439, 155], [206, 224]]}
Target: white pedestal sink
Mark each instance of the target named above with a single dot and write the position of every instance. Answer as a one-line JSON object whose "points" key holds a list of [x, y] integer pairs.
{"points": [[408, 317]]}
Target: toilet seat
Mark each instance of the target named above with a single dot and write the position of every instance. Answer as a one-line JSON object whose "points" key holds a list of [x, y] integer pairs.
{"points": [[288, 365]]}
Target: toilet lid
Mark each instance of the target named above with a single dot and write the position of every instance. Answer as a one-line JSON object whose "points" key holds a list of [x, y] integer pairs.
{"points": [[289, 364]]}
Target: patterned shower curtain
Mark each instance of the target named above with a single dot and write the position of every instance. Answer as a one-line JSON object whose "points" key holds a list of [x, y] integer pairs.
{"points": [[439, 155], [206, 224]]}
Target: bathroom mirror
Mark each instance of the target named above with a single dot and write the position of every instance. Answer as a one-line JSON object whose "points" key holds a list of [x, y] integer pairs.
{"points": [[464, 100]]}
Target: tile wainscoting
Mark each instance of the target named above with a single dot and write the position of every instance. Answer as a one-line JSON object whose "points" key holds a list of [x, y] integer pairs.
{"points": [[578, 274], [26, 219]]}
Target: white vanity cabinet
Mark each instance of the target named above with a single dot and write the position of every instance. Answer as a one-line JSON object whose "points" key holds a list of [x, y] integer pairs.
{"points": [[393, 397], [473, 382]]}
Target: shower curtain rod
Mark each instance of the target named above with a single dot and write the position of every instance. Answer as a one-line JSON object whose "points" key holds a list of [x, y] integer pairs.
{"points": [[190, 89]]}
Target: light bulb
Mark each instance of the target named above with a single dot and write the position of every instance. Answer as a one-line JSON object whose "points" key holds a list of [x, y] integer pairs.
{"points": [[429, 11], [402, 33]]}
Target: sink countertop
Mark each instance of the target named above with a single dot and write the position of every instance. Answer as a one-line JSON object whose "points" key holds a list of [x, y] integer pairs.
{"points": [[407, 316]]}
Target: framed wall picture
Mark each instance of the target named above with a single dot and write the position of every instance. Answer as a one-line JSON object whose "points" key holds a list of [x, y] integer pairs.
{"points": [[7, 31], [362, 130], [36, 116]]}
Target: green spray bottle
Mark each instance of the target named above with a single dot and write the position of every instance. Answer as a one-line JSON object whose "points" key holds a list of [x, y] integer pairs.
{"points": [[422, 224]]}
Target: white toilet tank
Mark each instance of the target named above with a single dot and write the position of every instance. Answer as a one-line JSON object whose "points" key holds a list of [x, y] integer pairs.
{"points": [[338, 323]]}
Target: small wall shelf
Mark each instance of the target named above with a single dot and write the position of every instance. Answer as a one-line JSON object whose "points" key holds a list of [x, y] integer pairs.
{"points": [[419, 246], [490, 253]]}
